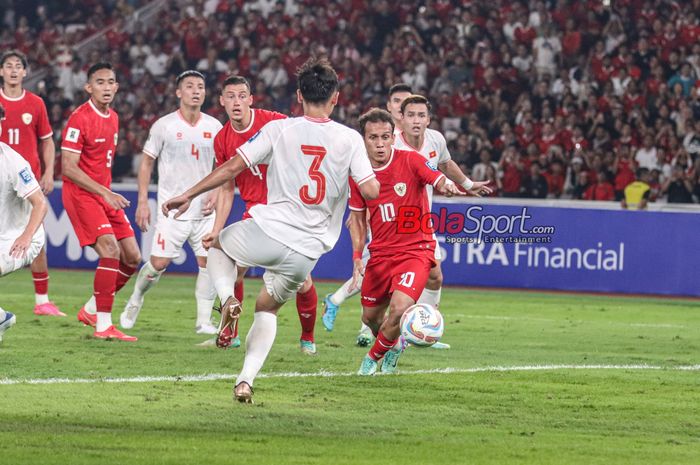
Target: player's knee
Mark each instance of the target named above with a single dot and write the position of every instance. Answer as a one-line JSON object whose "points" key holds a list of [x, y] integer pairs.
{"points": [[306, 286], [108, 249], [435, 279], [133, 259]]}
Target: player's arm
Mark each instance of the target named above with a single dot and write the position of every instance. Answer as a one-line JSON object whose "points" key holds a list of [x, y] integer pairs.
{"points": [[224, 203], [357, 224], [369, 189], [143, 212], [21, 245], [47, 148], [72, 171], [216, 178], [455, 174]]}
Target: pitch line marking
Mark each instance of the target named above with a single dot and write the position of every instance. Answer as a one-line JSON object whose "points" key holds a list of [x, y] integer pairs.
{"points": [[551, 320], [330, 374]]}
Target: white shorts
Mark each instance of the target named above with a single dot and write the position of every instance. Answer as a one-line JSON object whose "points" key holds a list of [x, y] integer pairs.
{"points": [[170, 236], [285, 269], [9, 264]]}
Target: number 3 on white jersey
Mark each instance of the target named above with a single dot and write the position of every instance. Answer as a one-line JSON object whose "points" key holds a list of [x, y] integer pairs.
{"points": [[256, 172], [407, 279]]}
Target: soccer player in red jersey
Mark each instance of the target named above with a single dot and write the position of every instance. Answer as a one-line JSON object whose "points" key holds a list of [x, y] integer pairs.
{"points": [[28, 132], [400, 262], [96, 213], [244, 122]]}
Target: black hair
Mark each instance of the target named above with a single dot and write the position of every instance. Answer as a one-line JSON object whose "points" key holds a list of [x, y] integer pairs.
{"points": [[317, 80], [417, 99], [2, 112], [98, 66], [375, 115], [186, 74], [234, 81], [400, 87], [14, 53]]}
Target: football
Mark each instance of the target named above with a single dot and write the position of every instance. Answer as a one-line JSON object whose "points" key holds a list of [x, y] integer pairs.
{"points": [[422, 325]]}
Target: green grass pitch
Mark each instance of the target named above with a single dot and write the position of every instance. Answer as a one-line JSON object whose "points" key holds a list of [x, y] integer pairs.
{"points": [[636, 407]]}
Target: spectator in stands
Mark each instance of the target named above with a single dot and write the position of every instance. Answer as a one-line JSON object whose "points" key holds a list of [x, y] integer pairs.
{"points": [[479, 170], [678, 187], [535, 186], [156, 61], [601, 189], [637, 193], [646, 156]]}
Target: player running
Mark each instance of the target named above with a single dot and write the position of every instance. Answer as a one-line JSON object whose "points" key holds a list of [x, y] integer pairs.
{"points": [[96, 213], [28, 132], [399, 264], [183, 144], [309, 160], [245, 122], [23, 209]]}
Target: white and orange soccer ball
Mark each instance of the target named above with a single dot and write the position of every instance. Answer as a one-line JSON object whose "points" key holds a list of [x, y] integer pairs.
{"points": [[422, 325]]}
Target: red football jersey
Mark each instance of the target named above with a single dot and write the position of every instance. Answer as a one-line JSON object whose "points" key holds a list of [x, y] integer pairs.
{"points": [[252, 183], [26, 121], [93, 135], [402, 186]]}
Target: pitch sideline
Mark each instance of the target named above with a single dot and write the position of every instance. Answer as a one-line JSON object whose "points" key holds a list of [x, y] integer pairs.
{"points": [[330, 374]]}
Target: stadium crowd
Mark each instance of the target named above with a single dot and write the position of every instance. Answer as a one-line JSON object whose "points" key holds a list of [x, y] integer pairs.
{"points": [[566, 99]]}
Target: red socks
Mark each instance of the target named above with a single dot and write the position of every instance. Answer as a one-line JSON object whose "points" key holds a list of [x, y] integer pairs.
{"points": [[238, 292], [381, 346], [41, 283], [105, 283], [125, 272], [306, 307]]}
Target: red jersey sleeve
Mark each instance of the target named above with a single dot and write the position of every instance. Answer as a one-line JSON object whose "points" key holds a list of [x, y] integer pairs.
{"points": [[219, 151], [423, 171], [44, 130], [74, 134], [357, 202]]}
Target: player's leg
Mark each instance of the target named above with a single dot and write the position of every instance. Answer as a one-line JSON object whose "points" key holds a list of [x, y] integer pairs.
{"points": [[7, 320], [433, 288], [148, 276], [204, 292], [40, 276], [375, 300], [105, 285], [332, 302], [307, 303]]}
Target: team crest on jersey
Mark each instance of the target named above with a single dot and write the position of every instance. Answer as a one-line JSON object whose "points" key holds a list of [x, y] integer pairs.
{"points": [[400, 189], [26, 118], [72, 135], [26, 176]]}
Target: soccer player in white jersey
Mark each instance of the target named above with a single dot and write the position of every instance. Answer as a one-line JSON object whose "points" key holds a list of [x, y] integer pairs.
{"points": [[183, 144], [23, 208], [309, 160]]}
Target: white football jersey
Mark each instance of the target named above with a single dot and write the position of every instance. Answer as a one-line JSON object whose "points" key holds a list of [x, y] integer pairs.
{"points": [[309, 163], [185, 155], [16, 184], [434, 150]]}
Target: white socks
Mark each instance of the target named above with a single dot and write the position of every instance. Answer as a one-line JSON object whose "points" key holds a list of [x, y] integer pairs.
{"points": [[146, 279], [222, 272], [342, 294], [205, 294], [41, 299], [430, 297], [91, 305], [104, 321], [258, 343], [3, 315]]}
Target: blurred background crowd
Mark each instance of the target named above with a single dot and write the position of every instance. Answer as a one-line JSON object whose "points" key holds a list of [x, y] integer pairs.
{"points": [[565, 99]]}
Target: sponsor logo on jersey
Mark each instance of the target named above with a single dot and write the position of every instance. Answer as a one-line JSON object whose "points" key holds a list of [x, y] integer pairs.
{"points": [[429, 165], [255, 136], [97, 141], [178, 136], [207, 135], [432, 154], [72, 135], [26, 118], [26, 176], [400, 189]]}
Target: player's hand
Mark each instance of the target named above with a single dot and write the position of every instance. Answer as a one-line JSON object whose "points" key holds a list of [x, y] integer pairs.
{"points": [[179, 203], [116, 201], [358, 270], [46, 183], [143, 216], [449, 189], [210, 203], [20, 246], [208, 239], [480, 188]]}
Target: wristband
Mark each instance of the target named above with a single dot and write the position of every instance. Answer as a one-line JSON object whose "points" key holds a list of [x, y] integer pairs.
{"points": [[467, 184], [356, 255]]}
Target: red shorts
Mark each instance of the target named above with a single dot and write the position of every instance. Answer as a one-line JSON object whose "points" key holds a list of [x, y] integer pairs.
{"points": [[407, 273], [91, 217]]}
